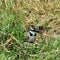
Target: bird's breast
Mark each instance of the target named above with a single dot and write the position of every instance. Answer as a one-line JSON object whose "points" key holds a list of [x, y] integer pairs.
{"points": [[32, 33]]}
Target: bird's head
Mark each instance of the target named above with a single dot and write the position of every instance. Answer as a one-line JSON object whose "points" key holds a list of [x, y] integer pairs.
{"points": [[33, 28]]}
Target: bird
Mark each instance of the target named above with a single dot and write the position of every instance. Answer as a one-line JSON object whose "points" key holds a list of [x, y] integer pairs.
{"points": [[32, 34], [33, 31]]}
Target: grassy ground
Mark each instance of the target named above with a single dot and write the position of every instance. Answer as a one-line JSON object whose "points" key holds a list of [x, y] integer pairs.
{"points": [[15, 18]]}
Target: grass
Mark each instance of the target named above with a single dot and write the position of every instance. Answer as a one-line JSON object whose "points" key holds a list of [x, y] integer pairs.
{"points": [[15, 18]]}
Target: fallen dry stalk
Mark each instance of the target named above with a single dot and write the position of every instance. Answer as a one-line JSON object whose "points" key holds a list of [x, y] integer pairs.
{"points": [[8, 41]]}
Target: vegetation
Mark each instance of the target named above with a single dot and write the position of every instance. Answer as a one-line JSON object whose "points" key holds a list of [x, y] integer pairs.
{"points": [[15, 18]]}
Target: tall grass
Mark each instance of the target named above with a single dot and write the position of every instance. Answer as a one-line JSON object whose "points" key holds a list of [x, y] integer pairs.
{"points": [[15, 15]]}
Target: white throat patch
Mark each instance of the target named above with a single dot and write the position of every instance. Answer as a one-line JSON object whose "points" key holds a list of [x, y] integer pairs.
{"points": [[32, 32]]}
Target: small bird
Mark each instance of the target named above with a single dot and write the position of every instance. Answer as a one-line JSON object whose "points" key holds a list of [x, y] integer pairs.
{"points": [[32, 34]]}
